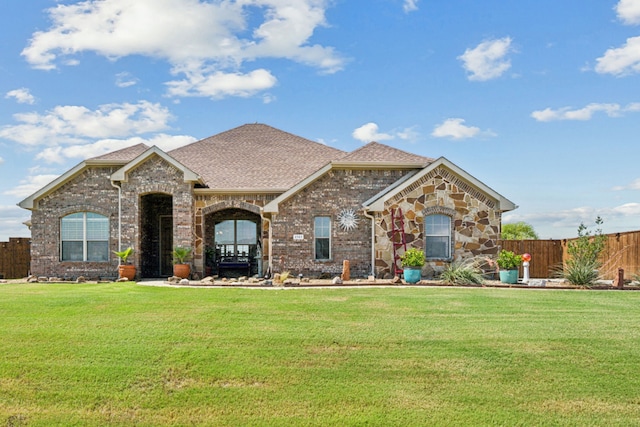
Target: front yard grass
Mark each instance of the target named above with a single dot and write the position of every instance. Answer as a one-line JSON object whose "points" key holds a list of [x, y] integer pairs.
{"points": [[124, 354]]}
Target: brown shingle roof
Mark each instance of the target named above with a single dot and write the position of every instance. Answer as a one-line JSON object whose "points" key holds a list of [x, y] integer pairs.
{"points": [[376, 152], [124, 155], [256, 157]]}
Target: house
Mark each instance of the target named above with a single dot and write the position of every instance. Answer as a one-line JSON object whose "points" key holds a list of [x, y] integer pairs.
{"points": [[258, 200]]}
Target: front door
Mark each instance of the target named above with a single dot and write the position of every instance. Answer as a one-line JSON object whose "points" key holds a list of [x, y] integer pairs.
{"points": [[156, 235], [166, 245]]}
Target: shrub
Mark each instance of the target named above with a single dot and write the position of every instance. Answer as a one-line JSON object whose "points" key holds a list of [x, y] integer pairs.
{"points": [[463, 272], [181, 254], [507, 260], [583, 273], [124, 255], [583, 264], [412, 258]]}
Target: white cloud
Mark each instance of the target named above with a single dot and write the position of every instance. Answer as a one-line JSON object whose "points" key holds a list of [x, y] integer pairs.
{"points": [[30, 185], [125, 79], [627, 210], [268, 98], [488, 60], [72, 124], [585, 113], [633, 185], [409, 134], [564, 223], [207, 41], [22, 96], [370, 132], [61, 154], [1, 160], [11, 222], [218, 84], [456, 129], [621, 61], [410, 5], [629, 11]]}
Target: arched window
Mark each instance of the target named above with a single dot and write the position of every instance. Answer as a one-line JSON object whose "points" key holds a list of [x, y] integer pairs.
{"points": [[438, 236], [84, 236]]}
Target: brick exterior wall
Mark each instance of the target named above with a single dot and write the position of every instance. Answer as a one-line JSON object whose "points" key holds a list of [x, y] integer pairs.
{"points": [[328, 196], [475, 219], [157, 176], [90, 191]]}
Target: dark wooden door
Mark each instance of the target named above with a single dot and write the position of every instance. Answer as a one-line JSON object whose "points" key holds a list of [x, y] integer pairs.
{"points": [[166, 245]]}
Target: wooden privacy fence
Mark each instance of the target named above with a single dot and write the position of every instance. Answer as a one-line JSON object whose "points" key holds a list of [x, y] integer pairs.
{"points": [[546, 255], [15, 257], [622, 250]]}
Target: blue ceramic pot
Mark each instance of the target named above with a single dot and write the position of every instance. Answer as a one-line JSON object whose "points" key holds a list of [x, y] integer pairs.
{"points": [[509, 276], [412, 274]]}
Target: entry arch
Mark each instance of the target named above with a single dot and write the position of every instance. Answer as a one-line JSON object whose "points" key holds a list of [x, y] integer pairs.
{"points": [[233, 240]]}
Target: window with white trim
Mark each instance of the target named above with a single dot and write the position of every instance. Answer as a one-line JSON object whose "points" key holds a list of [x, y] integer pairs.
{"points": [[322, 237], [438, 236], [84, 236]]}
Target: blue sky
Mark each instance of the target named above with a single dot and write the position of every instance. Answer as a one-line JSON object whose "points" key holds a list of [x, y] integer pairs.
{"points": [[539, 99]]}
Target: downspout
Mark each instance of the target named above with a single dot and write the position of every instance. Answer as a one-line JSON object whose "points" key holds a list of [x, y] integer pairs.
{"points": [[269, 262], [373, 242], [119, 214]]}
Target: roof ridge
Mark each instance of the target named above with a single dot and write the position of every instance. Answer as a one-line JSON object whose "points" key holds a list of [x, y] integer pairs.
{"points": [[126, 153], [374, 146]]}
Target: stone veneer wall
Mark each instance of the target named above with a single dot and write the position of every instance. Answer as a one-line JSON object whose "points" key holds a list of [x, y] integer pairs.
{"points": [[157, 176], [90, 191], [476, 221], [328, 196]]}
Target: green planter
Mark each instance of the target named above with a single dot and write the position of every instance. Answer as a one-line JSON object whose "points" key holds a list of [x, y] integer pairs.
{"points": [[412, 274], [509, 276]]}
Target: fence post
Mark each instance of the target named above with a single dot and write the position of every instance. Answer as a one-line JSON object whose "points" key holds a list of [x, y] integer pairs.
{"points": [[619, 282]]}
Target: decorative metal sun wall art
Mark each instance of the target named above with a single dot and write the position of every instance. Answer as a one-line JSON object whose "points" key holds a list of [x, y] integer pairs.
{"points": [[348, 219]]}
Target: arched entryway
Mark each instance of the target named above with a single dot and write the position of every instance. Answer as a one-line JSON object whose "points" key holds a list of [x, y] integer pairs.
{"points": [[233, 243], [156, 235]]}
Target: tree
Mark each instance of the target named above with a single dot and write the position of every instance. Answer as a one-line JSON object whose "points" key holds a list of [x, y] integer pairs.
{"points": [[518, 231]]}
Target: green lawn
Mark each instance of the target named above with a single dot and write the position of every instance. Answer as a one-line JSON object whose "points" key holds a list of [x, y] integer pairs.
{"points": [[124, 354]]}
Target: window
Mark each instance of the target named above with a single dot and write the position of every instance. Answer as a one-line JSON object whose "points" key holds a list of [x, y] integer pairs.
{"points": [[322, 237], [236, 238], [438, 236], [84, 236]]}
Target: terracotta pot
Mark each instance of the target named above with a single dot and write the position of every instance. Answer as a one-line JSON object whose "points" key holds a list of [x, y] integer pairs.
{"points": [[181, 270], [127, 270]]}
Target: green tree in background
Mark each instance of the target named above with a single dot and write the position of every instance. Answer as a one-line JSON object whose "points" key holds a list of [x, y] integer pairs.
{"points": [[518, 231]]}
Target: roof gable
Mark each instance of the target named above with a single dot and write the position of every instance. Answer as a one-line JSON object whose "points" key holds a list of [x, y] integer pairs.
{"points": [[371, 156], [377, 202], [121, 174], [114, 158]]}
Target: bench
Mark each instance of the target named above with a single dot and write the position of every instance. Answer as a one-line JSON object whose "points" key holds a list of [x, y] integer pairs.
{"points": [[234, 265]]}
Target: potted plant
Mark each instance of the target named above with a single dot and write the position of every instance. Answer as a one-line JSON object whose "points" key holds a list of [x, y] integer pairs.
{"points": [[180, 267], [412, 262], [508, 262], [125, 269]]}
